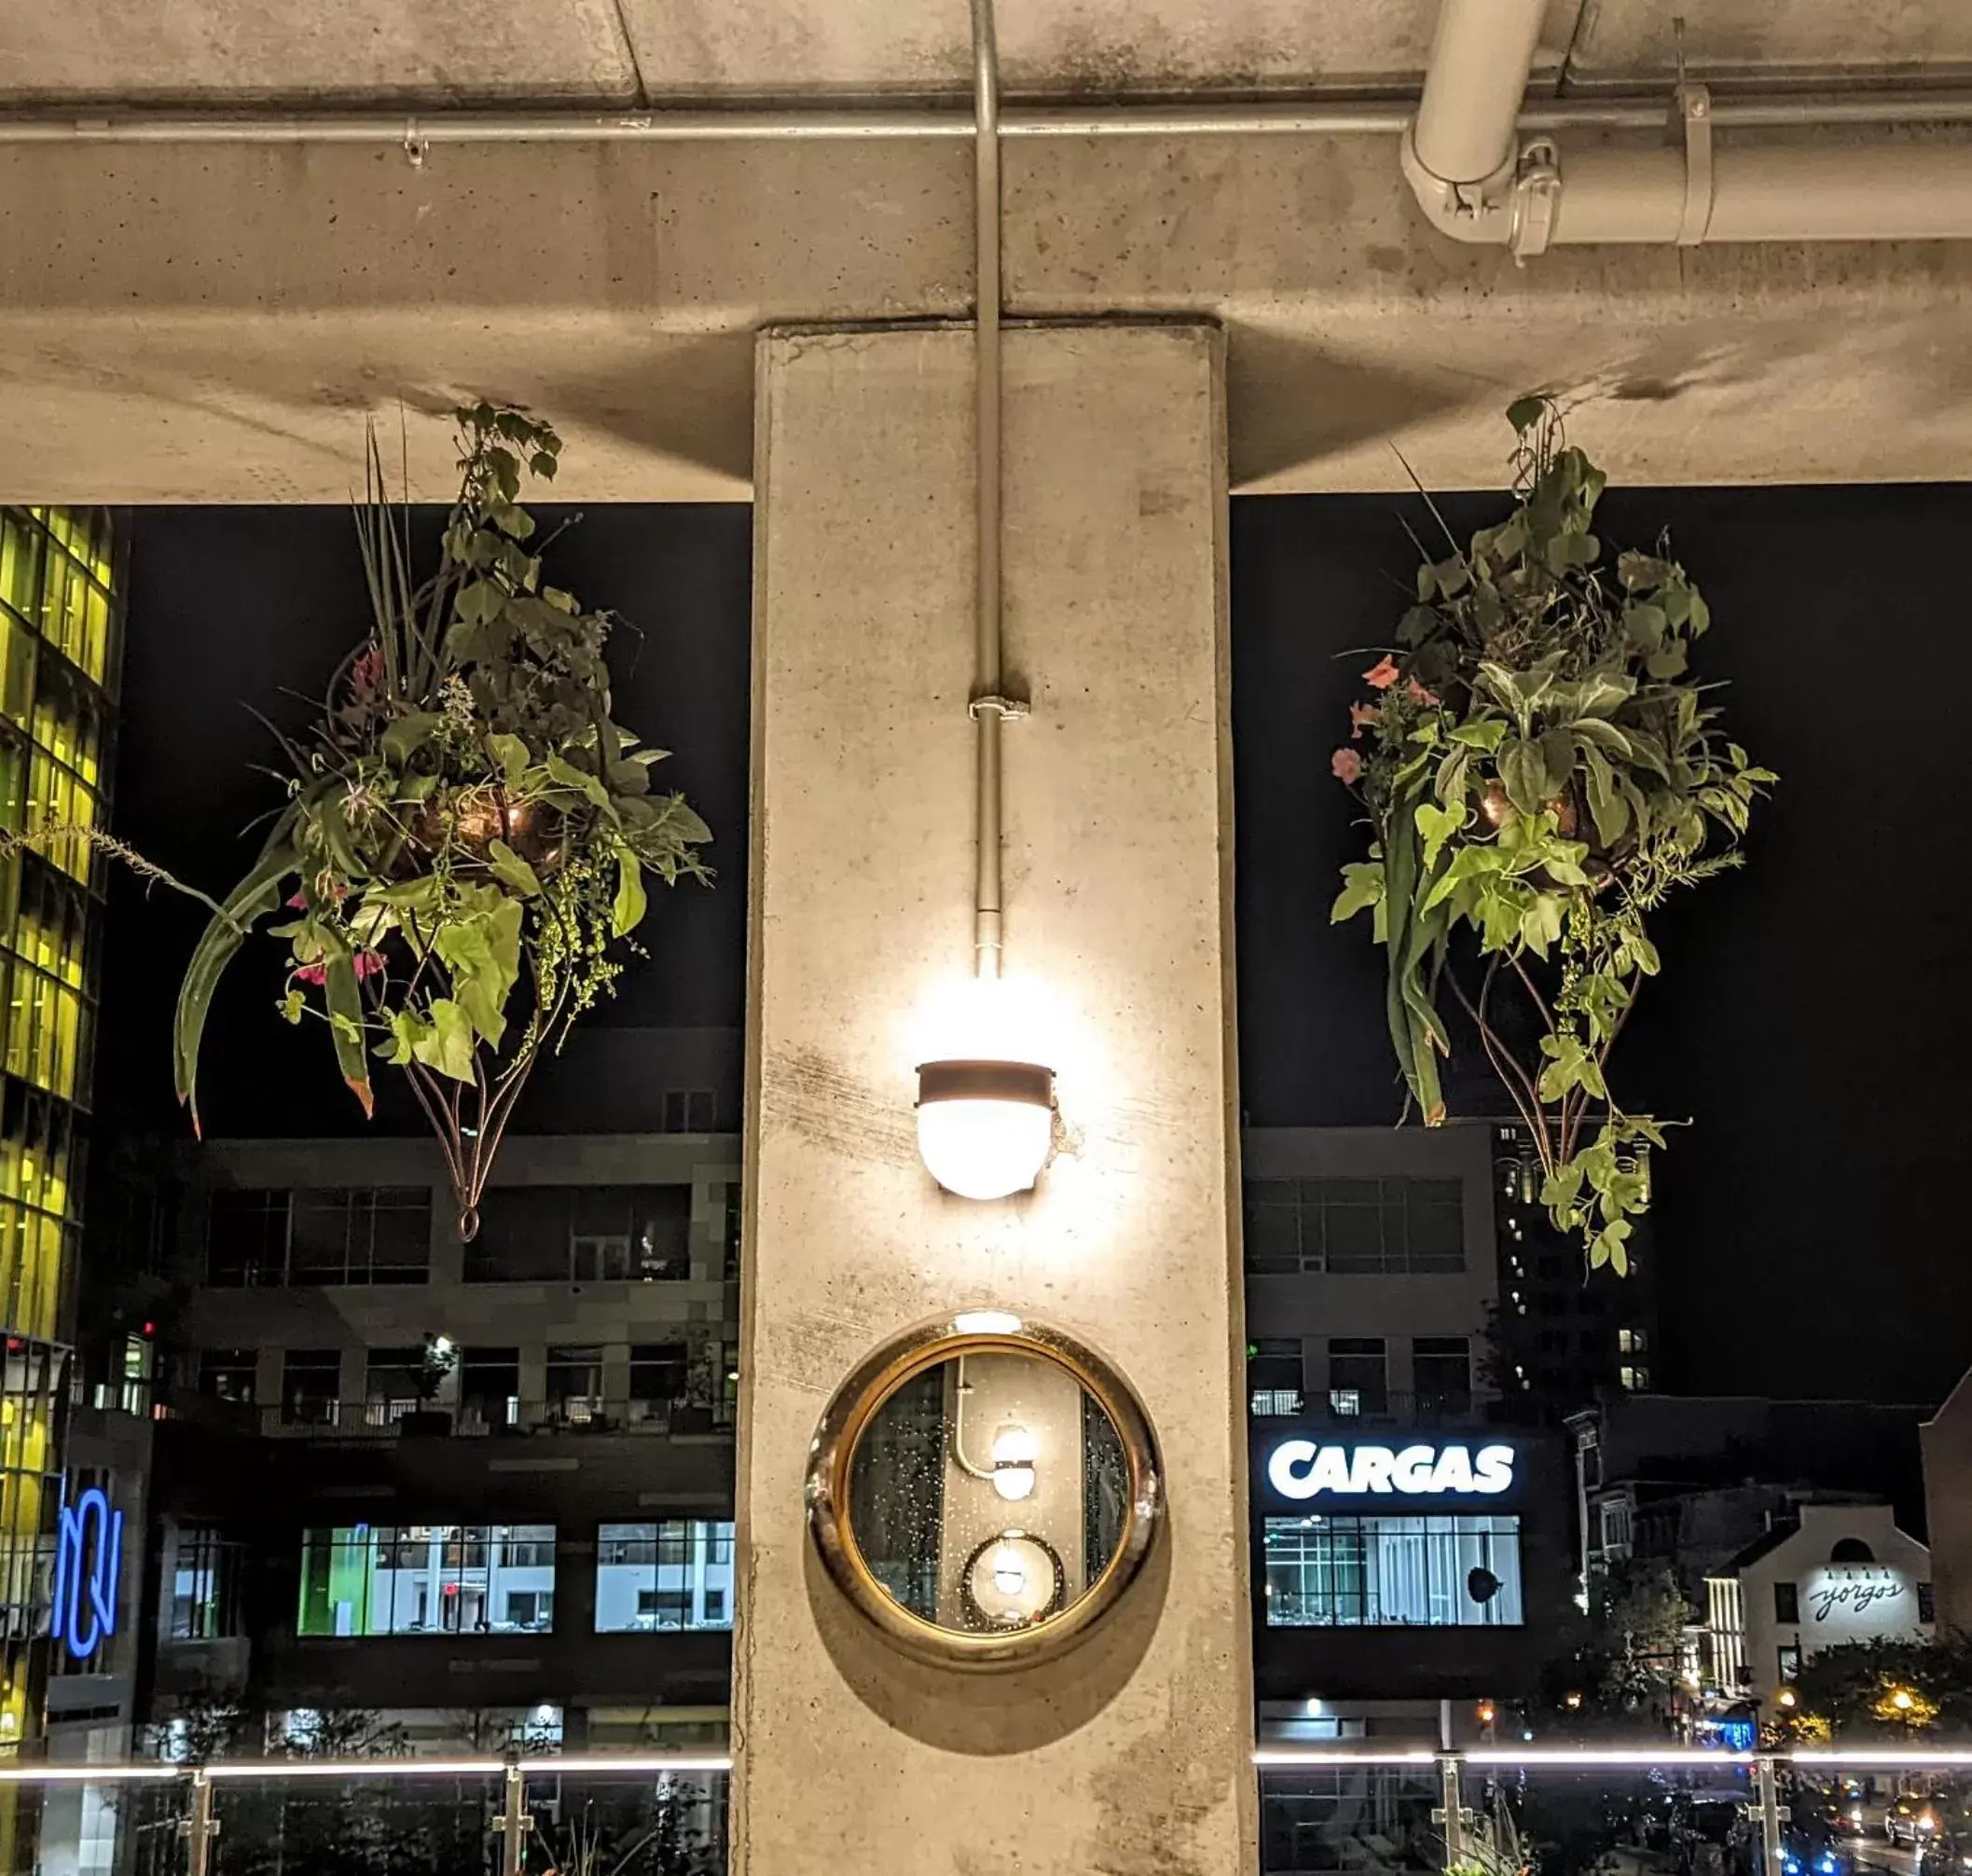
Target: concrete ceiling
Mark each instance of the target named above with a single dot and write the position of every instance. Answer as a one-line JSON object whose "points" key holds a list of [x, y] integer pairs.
{"points": [[611, 53], [214, 322]]}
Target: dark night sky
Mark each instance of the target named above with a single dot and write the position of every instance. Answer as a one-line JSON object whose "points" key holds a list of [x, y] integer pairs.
{"points": [[1806, 1238]]}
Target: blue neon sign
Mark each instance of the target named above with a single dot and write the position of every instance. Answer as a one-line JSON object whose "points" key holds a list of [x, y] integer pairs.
{"points": [[89, 1553]]}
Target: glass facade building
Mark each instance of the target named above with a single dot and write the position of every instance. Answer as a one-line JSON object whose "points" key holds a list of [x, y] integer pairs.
{"points": [[60, 646]]}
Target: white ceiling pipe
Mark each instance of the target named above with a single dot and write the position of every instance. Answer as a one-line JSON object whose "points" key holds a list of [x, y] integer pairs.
{"points": [[1533, 193], [1464, 132]]}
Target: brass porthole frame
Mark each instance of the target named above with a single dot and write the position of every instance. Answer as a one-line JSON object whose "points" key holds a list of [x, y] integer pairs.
{"points": [[855, 1403]]}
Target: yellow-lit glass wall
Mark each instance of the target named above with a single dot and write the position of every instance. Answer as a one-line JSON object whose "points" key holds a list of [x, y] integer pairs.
{"points": [[59, 649]]}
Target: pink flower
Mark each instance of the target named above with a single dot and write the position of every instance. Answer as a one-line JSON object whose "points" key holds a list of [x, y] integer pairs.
{"points": [[311, 974], [369, 963], [1382, 674], [1360, 717], [366, 672], [298, 902], [1416, 690], [1345, 765]]}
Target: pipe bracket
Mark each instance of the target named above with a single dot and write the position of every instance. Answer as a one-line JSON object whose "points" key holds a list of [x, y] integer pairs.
{"points": [[1537, 198], [1002, 707], [1691, 106]]}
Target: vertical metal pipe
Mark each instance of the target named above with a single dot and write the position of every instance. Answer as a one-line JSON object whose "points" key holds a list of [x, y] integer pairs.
{"points": [[1474, 83], [515, 1822], [1772, 1813], [1451, 1811], [200, 1827], [987, 706]]}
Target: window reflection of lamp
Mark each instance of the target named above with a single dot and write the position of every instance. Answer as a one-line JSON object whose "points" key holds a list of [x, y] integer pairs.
{"points": [[1010, 1470], [1013, 1462]]}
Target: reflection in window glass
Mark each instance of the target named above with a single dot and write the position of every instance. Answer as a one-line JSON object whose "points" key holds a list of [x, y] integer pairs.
{"points": [[378, 1579], [673, 1574], [1393, 1572]]}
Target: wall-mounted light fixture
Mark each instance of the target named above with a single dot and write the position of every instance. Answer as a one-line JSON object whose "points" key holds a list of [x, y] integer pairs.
{"points": [[984, 1127]]}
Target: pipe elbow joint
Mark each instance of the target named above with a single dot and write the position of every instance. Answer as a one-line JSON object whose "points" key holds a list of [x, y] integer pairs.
{"points": [[1512, 208]]}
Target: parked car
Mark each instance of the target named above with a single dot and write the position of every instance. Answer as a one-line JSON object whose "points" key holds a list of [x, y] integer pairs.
{"points": [[1910, 1818]]}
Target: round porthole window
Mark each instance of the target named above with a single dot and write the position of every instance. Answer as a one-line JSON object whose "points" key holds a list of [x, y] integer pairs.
{"points": [[982, 1489]]}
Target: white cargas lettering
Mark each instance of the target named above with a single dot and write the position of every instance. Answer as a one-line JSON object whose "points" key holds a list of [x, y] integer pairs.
{"points": [[1301, 1469], [1494, 1470], [1452, 1472], [1370, 1471], [1286, 1468], [1332, 1470], [1414, 1469]]}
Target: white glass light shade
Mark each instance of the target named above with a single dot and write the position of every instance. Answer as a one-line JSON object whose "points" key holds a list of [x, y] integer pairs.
{"points": [[985, 1128], [1013, 1462]]}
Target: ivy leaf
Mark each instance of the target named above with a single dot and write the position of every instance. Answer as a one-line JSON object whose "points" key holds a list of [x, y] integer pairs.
{"points": [[1437, 825], [447, 1044], [627, 912], [292, 1006], [511, 870], [569, 776], [1608, 1247], [1500, 912], [1525, 412], [408, 735], [1362, 885], [1645, 625], [482, 953], [1540, 924], [1561, 1186], [511, 754], [1669, 662], [406, 1032]]}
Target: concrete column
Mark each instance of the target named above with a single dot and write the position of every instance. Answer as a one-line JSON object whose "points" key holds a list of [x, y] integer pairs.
{"points": [[1132, 1754]]}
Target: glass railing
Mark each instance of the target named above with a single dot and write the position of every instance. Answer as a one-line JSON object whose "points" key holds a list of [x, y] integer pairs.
{"points": [[1354, 1807]]}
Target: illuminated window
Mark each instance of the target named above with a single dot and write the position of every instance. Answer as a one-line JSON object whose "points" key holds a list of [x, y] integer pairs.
{"points": [[1393, 1571], [1637, 1380], [388, 1579], [674, 1574], [206, 1579]]}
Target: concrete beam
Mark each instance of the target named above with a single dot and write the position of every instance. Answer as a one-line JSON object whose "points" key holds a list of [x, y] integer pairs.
{"points": [[212, 324]]}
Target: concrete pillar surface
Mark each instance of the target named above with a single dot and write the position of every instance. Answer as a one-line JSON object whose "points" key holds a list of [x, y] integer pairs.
{"points": [[1133, 1753]]}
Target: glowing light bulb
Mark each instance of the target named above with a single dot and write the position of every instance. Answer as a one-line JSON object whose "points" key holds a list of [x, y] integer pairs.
{"points": [[1013, 1462]]}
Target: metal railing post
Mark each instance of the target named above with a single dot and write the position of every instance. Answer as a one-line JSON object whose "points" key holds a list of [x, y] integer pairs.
{"points": [[1772, 1813], [1451, 1812], [513, 1823], [200, 1827]]}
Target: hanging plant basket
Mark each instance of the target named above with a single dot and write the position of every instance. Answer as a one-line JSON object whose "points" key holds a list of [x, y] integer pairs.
{"points": [[1541, 771], [468, 830]]}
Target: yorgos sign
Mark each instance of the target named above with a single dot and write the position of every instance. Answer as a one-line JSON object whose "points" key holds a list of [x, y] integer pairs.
{"points": [[1302, 1468]]}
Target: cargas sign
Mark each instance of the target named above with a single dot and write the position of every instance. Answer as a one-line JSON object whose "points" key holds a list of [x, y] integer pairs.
{"points": [[1302, 1468]]}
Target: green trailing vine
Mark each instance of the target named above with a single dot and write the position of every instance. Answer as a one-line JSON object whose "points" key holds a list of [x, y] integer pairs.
{"points": [[1541, 771], [468, 834]]}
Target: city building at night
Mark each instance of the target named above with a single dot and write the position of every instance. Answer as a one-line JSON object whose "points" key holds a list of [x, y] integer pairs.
{"points": [[452, 1486], [1826, 1575], [60, 626]]}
